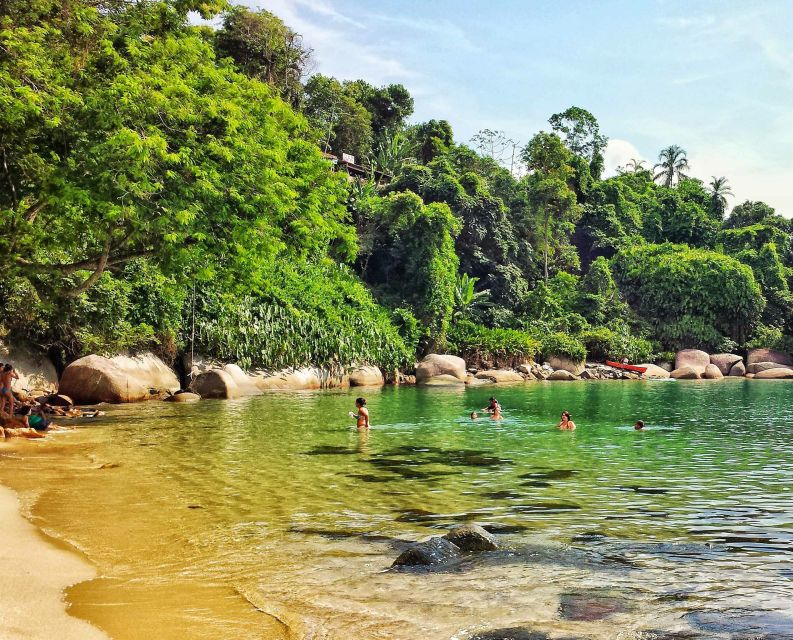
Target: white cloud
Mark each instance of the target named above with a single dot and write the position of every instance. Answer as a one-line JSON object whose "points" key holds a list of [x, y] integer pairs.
{"points": [[618, 153]]}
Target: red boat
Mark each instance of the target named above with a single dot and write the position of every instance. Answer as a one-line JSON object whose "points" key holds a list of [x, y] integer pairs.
{"points": [[627, 367]]}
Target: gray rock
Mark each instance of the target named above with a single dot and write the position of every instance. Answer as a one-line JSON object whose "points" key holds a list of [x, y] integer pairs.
{"points": [[561, 374], [724, 361], [472, 537], [769, 355], [432, 552], [686, 373], [757, 367], [693, 358], [712, 372], [738, 370], [779, 373]]}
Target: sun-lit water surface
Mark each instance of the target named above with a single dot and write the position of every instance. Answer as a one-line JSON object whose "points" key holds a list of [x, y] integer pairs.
{"points": [[271, 518]]}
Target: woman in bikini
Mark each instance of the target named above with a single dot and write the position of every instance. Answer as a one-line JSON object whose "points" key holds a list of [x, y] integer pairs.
{"points": [[7, 377]]}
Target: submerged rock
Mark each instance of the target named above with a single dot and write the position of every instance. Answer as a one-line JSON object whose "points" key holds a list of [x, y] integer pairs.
{"points": [[184, 396], [433, 552], [512, 633], [588, 606], [472, 537]]}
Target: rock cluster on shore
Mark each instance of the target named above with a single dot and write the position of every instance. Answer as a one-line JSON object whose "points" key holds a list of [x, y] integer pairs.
{"points": [[94, 379]]}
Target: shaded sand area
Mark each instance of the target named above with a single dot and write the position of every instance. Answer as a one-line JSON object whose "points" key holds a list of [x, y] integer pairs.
{"points": [[33, 575]]}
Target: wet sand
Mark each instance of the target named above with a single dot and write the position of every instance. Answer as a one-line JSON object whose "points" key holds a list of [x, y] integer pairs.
{"points": [[33, 575]]}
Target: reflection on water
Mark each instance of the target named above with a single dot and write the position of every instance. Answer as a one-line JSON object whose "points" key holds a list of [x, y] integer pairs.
{"points": [[273, 518]]}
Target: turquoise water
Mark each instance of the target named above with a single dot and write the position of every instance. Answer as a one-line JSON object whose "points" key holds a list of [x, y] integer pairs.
{"points": [[606, 532]]}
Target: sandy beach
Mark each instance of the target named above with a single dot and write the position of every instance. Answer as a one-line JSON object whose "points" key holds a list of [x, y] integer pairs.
{"points": [[33, 575]]}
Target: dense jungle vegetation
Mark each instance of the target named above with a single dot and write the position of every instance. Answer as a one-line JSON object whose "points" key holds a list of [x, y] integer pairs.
{"points": [[163, 187]]}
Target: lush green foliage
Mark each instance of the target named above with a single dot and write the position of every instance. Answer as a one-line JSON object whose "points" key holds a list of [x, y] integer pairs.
{"points": [[692, 297], [310, 315], [563, 345], [481, 345]]}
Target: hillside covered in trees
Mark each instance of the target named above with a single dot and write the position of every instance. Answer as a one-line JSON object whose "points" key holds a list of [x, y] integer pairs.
{"points": [[164, 187]]}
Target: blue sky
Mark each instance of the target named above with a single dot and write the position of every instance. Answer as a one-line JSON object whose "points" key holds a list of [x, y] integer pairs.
{"points": [[714, 77]]}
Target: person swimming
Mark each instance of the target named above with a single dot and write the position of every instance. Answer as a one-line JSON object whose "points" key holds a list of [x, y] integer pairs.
{"points": [[474, 415], [639, 426], [566, 424], [363, 413], [494, 409]]}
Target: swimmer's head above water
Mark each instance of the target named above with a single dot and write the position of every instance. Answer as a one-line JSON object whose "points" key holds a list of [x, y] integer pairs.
{"points": [[474, 415], [639, 425]]}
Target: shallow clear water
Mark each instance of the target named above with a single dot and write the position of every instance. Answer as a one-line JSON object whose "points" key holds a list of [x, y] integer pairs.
{"points": [[270, 517]]}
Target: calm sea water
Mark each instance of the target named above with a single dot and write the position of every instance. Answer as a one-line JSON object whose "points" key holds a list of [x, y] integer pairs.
{"points": [[271, 518]]}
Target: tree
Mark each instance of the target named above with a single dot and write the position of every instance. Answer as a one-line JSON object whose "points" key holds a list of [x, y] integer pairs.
{"points": [[388, 106], [672, 163], [719, 189], [431, 139], [692, 297], [581, 132], [466, 298], [754, 212], [635, 165], [549, 160], [342, 124], [496, 146], [263, 47]]}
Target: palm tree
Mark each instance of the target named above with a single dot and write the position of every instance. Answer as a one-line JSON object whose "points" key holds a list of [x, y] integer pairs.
{"points": [[672, 163], [719, 189], [635, 165], [391, 152]]}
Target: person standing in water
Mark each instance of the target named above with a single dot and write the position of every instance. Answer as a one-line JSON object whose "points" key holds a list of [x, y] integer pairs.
{"points": [[363, 413], [494, 409], [566, 424], [639, 426]]}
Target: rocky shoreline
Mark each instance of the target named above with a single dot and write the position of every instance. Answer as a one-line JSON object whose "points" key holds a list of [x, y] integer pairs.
{"points": [[119, 379]]}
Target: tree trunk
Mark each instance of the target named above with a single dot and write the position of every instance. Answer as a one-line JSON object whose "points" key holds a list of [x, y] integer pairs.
{"points": [[547, 224]]}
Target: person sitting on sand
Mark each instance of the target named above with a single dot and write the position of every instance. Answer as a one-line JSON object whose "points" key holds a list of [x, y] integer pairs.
{"points": [[34, 419], [566, 424], [11, 426], [639, 426], [7, 378], [494, 409], [363, 413]]}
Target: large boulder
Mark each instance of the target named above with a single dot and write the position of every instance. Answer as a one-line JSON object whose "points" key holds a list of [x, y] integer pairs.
{"points": [[37, 375], [768, 355], [654, 371], [686, 373], [119, 379], [432, 552], [500, 375], [215, 383], [693, 358], [561, 374], [712, 372], [299, 379], [566, 364], [366, 377], [757, 367], [451, 381], [725, 361], [435, 365], [780, 373], [472, 537], [738, 370]]}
